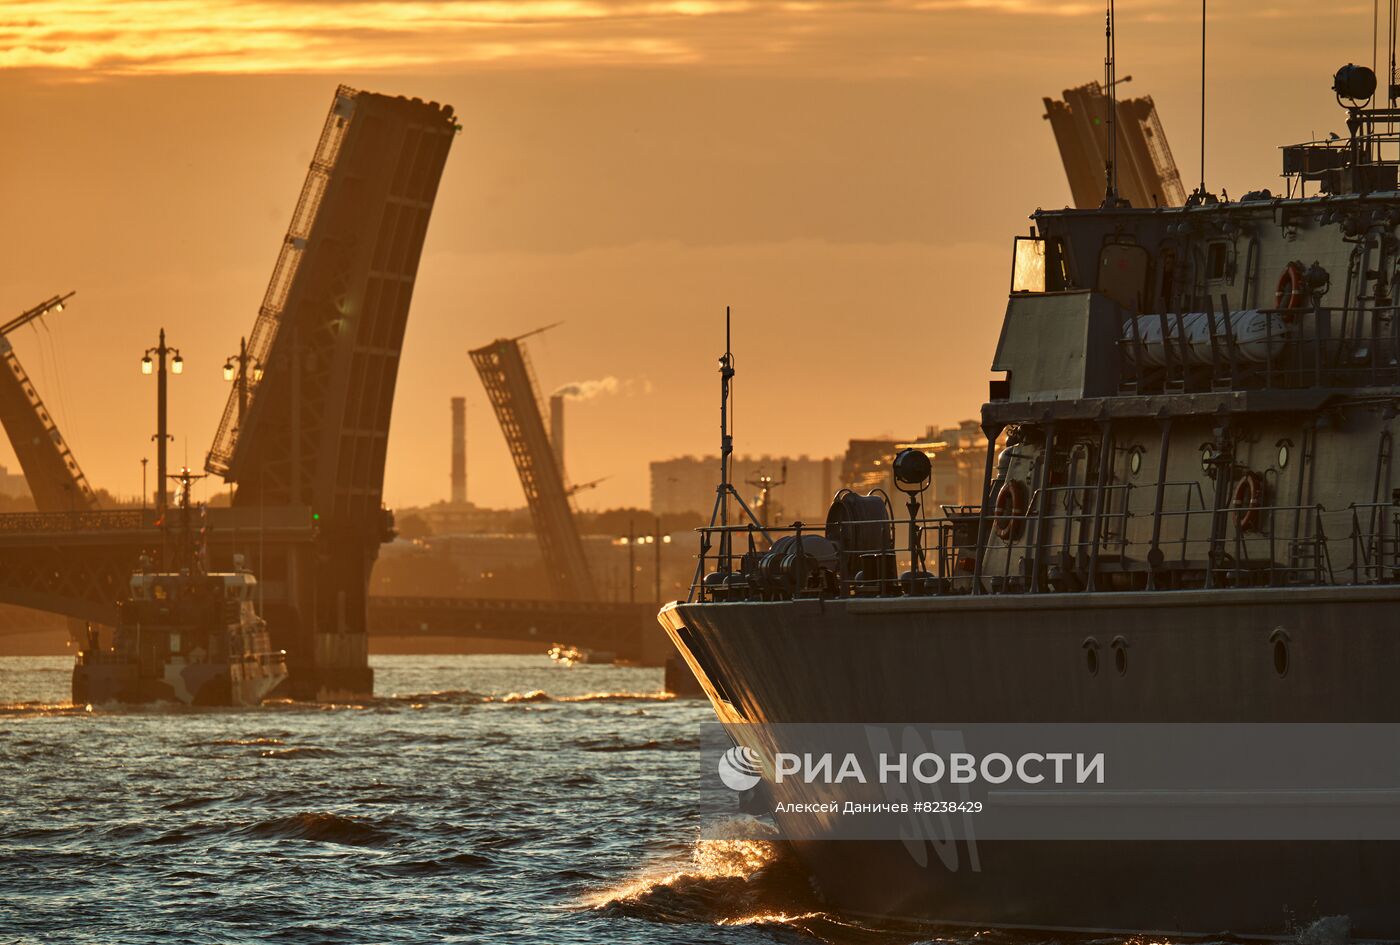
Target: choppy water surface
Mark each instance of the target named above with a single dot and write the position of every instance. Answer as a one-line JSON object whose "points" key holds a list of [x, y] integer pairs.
{"points": [[478, 798]]}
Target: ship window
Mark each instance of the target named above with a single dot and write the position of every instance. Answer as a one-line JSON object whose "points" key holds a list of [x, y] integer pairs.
{"points": [[1028, 265], [1123, 272], [1038, 264]]}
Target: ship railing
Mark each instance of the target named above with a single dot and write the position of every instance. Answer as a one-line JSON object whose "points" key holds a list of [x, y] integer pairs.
{"points": [[1310, 347], [1375, 542], [1073, 529], [1075, 547], [1192, 543], [769, 568], [1364, 162]]}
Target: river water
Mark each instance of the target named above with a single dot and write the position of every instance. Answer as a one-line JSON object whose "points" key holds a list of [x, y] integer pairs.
{"points": [[476, 799]]}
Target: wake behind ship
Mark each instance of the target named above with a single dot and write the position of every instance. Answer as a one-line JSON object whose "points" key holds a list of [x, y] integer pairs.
{"points": [[1190, 515]]}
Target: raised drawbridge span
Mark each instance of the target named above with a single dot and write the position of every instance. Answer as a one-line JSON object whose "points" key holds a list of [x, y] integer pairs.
{"points": [[510, 384]]}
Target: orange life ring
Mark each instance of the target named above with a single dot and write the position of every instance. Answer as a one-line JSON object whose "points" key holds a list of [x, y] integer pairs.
{"points": [[1010, 510], [1292, 289], [1246, 500]]}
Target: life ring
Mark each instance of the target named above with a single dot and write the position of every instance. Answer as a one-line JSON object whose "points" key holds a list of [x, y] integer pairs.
{"points": [[1010, 510], [1246, 500], [1292, 288]]}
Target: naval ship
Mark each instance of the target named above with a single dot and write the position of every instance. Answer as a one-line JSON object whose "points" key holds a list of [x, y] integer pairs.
{"points": [[185, 635], [1190, 514]]}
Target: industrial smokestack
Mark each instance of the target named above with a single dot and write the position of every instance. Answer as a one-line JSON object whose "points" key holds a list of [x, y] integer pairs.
{"points": [[556, 428], [459, 450]]}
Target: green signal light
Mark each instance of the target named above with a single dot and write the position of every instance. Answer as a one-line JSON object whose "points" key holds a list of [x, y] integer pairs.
{"points": [[315, 516]]}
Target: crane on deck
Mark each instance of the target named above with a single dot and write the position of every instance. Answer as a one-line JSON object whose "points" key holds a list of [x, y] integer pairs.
{"points": [[55, 479]]}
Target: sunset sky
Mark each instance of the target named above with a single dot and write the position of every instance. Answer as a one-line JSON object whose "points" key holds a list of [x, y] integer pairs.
{"points": [[847, 175]]}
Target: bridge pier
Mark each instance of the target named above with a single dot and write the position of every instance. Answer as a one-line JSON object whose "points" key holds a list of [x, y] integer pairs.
{"points": [[314, 586]]}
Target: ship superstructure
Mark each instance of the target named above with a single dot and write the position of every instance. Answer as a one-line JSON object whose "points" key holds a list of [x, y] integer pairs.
{"points": [[1190, 515]]}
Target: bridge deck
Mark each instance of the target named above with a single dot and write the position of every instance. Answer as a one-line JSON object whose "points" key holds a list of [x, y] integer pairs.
{"points": [[629, 630]]}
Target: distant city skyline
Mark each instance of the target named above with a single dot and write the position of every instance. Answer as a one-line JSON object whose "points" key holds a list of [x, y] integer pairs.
{"points": [[839, 173]]}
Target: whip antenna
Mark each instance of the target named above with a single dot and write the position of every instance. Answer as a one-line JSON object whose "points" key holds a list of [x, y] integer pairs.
{"points": [[1110, 164], [1202, 189], [726, 438], [1391, 88]]}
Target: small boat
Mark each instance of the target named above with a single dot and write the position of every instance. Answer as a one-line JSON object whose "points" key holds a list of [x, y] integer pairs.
{"points": [[185, 635]]}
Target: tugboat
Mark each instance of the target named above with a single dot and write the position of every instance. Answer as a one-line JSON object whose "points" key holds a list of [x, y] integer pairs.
{"points": [[185, 635], [1190, 514]]}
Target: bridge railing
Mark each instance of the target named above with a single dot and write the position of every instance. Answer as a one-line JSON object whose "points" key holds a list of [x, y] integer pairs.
{"points": [[394, 602], [91, 520]]}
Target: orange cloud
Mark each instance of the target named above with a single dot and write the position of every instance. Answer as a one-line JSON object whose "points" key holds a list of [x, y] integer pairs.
{"points": [[93, 38]]}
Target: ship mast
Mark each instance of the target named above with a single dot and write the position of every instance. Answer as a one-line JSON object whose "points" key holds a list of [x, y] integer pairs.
{"points": [[191, 553], [1110, 168], [719, 516]]}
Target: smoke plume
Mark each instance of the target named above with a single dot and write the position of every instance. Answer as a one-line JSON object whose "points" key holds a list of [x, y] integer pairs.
{"points": [[587, 390]]}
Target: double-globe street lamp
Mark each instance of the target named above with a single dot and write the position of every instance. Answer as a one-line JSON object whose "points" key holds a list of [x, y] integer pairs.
{"points": [[155, 362], [238, 368]]}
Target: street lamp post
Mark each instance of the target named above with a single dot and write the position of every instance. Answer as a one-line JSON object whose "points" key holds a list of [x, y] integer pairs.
{"points": [[237, 368], [158, 367], [631, 562]]}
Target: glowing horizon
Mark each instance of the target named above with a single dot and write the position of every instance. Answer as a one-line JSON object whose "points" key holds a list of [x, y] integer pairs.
{"points": [[94, 38]]}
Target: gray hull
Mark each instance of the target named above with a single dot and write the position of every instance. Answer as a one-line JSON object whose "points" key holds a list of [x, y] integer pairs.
{"points": [[206, 684], [1314, 654]]}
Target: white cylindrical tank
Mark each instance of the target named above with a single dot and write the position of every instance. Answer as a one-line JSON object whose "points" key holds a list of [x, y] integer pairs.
{"points": [[1258, 336]]}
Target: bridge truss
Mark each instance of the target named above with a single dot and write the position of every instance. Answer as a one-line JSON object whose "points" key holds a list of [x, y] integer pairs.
{"points": [[510, 385]]}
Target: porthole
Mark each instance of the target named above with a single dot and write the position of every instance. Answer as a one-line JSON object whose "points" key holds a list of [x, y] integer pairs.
{"points": [[1120, 655], [1207, 457], [1135, 460], [1091, 656], [1285, 449], [1281, 650]]}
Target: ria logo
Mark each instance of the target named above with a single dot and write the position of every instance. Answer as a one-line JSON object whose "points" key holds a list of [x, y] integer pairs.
{"points": [[738, 768]]}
